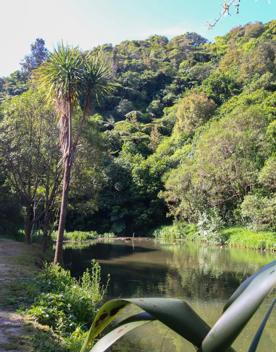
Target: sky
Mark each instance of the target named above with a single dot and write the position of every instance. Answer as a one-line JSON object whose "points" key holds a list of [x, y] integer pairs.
{"points": [[87, 23]]}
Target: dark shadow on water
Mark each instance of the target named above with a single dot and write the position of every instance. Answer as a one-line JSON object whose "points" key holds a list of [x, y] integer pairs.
{"points": [[147, 270], [77, 260]]}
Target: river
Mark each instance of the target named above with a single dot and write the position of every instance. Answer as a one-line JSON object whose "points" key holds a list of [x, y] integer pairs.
{"points": [[203, 276]]}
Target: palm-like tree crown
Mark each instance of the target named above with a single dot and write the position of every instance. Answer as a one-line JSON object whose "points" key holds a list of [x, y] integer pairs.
{"points": [[69, 76], [96, 81], [60, 75]]}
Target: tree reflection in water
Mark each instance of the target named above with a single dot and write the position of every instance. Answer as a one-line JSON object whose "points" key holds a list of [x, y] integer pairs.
{"points": [[204, 276]]}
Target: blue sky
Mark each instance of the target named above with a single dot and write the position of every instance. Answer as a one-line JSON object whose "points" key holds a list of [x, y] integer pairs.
{"points": [[87, 23]]}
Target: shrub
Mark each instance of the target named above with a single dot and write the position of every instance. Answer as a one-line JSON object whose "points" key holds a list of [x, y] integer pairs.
{"points": [[177, 231], [65, 303], [267, 175], [193, 111], [209, 227], [259, 212]]}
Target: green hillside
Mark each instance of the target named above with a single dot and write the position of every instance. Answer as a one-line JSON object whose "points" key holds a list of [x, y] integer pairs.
{"points": [[188, 134]]}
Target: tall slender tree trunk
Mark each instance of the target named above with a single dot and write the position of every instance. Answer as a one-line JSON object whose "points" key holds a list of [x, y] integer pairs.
{"points": [[66, 146], [63, 211], [28, 223]]}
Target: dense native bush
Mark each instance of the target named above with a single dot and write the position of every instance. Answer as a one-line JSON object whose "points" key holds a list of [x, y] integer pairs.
{"points": [[189, 127], [267, 175], [193, 111], [222, 168], [259, 212]]}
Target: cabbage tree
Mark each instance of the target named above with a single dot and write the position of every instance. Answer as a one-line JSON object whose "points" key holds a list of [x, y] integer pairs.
{"points": [[72, 80]]}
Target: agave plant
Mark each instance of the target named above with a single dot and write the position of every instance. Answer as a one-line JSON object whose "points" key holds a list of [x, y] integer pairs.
{"points": [[183, 320]]}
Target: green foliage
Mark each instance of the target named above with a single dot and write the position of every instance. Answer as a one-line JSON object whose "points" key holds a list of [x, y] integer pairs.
{"points": [[259, 212], [188, 128], [47, 341], [29, 154], [65, 304], [220, 87], [226, 160], [245, 238], [13, 85], [79, 236], [177, 231], [258, 61], [193, 111], [209, 227], [267, 175], [210, 230], [10, 213], [60, 74]]}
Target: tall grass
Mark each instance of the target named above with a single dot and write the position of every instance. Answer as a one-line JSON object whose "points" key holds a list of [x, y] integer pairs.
{"points": [[231, 236], [175, 232], [80, 236], [245, 238]]}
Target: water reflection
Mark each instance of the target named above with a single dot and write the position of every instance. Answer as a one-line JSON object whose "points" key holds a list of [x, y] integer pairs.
{"points": [[203, 276]]}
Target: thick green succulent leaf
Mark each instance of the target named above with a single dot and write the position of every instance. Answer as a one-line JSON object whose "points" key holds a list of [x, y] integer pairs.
{"points": [[245, 284], [254, 344], [135, 317], [231, 323], [177, 315], [107, 313], [124, 328], [174, 313]]}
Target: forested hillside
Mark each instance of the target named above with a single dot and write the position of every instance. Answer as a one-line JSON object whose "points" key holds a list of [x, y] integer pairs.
{"points": [[188, 134]]}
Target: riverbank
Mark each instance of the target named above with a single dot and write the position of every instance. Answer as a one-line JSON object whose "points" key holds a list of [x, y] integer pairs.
{"points": [[66, 306], [235, 236], [55, 309], [19, 263]]}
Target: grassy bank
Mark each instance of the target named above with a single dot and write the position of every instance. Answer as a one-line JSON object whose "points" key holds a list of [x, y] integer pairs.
{"points": [[19, 265], [66, 305], [245, 238], [230, 236], [55, 309], [71, 236], [81, 236]]}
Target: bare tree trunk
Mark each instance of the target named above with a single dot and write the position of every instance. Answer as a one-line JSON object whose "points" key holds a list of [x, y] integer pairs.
{"points": [[67, 152], [46, 232], [63, 210], [28, 223]]}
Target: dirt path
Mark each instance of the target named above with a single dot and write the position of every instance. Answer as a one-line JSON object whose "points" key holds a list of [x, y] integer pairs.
{"points": [[17, 262], [11, 332]]}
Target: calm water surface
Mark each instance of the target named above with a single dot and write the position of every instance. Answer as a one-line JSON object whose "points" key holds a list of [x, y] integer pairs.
{"points": [[205, 277]]}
